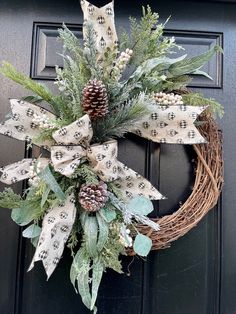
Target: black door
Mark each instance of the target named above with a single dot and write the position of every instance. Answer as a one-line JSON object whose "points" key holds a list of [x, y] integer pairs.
{"points": [[197, 275]]}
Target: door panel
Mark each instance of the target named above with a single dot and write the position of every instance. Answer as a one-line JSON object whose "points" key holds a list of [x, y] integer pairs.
{"points": [[197, 273]]}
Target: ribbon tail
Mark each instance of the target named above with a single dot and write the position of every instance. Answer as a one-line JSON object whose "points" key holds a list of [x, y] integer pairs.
{"points": [[56, 228], [103, 21], [20, 170], [103, 159], [132, 184], [20, 125], [171, 125]]}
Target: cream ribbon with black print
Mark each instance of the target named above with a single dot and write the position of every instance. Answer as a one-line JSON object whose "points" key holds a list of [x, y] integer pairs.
{"points": [[56, 228], [20, 124], [73, 145], [20, 170], [170, 124], [103, 21]]}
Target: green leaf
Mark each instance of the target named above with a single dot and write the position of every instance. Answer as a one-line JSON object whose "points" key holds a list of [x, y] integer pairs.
{"points": [[34, 241], [80, 273], [23, 216], [32, 99], [91, 235], [148, 66], [32, 231], [142, 245], [140, 205], [108, 214], [96, 280], [190, 65], [47, 176], [103, 232], [76, 266], [199, 72], [45, 195]]}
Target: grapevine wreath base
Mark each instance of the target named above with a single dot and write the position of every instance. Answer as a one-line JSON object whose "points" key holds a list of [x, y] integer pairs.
{"points": [[205, 194]]}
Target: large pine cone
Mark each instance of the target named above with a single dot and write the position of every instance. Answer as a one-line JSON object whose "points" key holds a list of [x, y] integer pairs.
{"points": [[95, 100], [93, 197]]}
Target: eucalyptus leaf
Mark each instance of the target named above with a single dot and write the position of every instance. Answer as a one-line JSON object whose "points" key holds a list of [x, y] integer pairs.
{"points": [[142, 245], [79, 274], [189, 65], [108, 214], [23, 216], [103, 232], [140, 205], [47, 176], [82, 218], [32, 99], [202, 73], [34, 241], [32, 231], [91, 235], [45, 195], [151, 64], [76, 266], [96, 280]]}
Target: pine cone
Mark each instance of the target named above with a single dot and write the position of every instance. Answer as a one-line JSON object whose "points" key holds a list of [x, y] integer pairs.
{"points": [[93, 197], [95, 100]]}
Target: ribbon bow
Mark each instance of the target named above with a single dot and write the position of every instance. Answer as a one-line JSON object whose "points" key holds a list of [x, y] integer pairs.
{"points": [[73, 145]]}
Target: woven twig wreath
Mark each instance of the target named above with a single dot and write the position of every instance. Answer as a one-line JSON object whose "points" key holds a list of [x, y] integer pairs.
{"points": [[205, 194]]}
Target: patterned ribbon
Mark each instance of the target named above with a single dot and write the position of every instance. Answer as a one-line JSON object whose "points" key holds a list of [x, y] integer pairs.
{"points": [[103, 23], [56, 228], [21, 126], [171, 125], [74, 142], [20, 170]]}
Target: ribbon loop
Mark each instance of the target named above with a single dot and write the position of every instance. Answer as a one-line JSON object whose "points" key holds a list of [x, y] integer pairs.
{"points": [[66, 159], [21, 124], [77, 133]]}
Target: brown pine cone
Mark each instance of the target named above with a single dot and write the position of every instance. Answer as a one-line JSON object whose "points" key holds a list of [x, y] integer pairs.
{"points": [[93, 197], [95, 99]]}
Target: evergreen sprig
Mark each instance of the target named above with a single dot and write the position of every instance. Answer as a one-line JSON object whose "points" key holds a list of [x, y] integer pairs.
{"points": [[121, 120], [90, 52], [146, 38], [9, 199], [39, 89], [197, 99]]}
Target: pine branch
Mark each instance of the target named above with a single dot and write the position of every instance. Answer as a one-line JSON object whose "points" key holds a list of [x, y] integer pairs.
{"points": [[42, 91], [197, 99], [120, 120], [8, 199], [146, 38], [90, 52]]}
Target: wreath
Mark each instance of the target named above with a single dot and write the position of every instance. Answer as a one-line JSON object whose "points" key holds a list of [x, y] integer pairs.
{"points": [[79, 194]]}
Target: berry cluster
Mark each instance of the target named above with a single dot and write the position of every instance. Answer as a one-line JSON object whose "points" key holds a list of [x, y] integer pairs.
{"points": [[34, 169], [121, 63], [43, 122], [168, 99]]}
